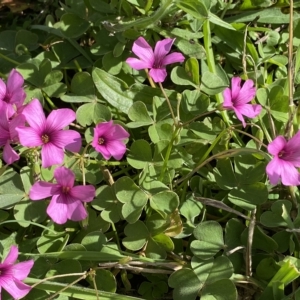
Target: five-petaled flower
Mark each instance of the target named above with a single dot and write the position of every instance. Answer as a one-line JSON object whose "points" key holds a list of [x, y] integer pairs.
{"points": [[237, 98], [48, 132], [109, 140], [155, 61], [67, 199], [12, 93], [11, 274], [286, 158], [9, 135]]}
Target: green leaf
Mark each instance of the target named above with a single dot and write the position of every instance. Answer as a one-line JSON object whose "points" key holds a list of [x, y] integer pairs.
{"points": [[216, 20], [138, 113], [194, 102], [223, 289], [105, 281], [192, 68], [132, 196], [112, 89], [162, 130], [94, 241], [106, 201], [274, 218], [112, 64], [82, 84], [89, 113], [164, 202], [185, 283], [140, 154], [209, 241], [180, 76], [136, 235], [212, 84], [11, 189], [193, 7], [248, 196], [73, 26]]}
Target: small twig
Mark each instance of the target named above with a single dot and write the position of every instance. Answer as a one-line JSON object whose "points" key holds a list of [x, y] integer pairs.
{"points": [[265, 37], [221, 205], [292, 109], [249, 244]]}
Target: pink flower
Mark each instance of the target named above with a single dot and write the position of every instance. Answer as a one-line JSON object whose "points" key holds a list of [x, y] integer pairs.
{"points": [[48, 132], [67, 199], [9, 135], [155, 61], [286, 158], [12, 93], [109, 140], [237, 98], [11, 274]]}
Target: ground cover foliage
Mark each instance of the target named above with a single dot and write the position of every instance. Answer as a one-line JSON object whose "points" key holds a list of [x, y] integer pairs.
{"points": [[184, 180]]}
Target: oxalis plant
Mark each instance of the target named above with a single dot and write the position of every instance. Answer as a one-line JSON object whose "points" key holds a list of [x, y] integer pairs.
{"points": [[150, 150]]}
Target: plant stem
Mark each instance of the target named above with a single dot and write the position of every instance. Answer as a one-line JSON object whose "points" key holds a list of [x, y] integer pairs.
{"points": [[169, 104]]}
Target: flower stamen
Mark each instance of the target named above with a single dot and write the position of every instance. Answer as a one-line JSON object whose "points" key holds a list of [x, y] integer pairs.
{"points": [[45, 138], [101, 141], [65, 189]]}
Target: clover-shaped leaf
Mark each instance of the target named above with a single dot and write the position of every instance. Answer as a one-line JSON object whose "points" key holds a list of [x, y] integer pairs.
{"points": [[164, 202], [140, 154], [139, 115], [138, 236], [279, 215], [107, 202], [132, 196], [209, 241]]}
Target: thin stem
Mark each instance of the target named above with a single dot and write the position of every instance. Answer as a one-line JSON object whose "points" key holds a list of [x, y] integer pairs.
{"points": [[168, 153], [169, 103], [66, 287], [31, 223], [49, 100], [9, 59], [251, 136], [116, 235], [150, 79], [199, 116], [58, 276], [292, 109]]}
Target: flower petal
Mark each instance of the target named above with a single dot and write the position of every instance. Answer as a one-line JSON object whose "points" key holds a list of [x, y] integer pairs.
{"points": [[35, 116], [16, 288], [246, 94], [277, 168], [158, 75], [42, 190], [9, 154], [2, 90], [239, 116], [68, 139], [18, 121], [277, 145], [138, 64], [227, 99], [11, 256], [249, 110], [58, 209], [76, 211], [235, 87], [59, 118], [117, 132], [103, 150], [162, 48], [292, 150], [15, 81], [143, 50], [116, 148], [29, 137], [64, 177], [173, 58], [51, 155], [84, 193], [22, 269]]}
